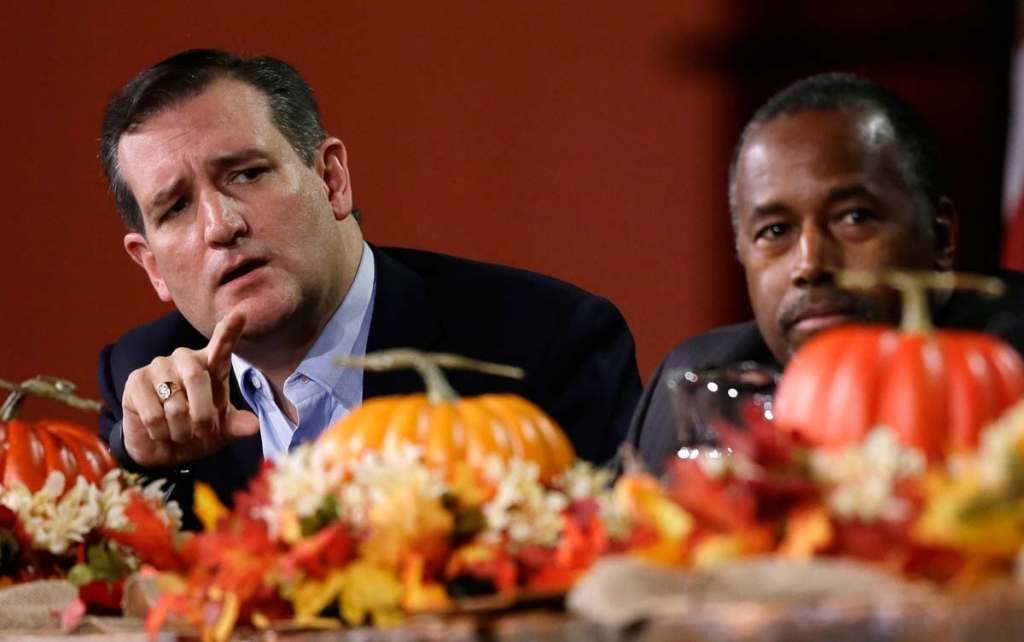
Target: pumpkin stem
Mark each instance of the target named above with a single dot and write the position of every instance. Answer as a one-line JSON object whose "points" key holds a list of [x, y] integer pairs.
{"points": [[43, 386], [914, 287], [428, 365]]}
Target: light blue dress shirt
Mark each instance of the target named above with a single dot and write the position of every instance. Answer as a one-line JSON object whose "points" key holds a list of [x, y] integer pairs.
{"points": [[321, 392]]}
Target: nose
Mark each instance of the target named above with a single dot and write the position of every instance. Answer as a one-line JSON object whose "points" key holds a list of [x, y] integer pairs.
{"points": [[817, 257], [223, 220]]}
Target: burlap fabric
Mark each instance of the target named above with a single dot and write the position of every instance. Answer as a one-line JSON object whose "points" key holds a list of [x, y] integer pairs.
{"points": [[37, 607], [775, 600]]}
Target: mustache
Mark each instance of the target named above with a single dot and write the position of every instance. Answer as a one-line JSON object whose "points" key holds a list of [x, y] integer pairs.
{"points": [[832, 301]]}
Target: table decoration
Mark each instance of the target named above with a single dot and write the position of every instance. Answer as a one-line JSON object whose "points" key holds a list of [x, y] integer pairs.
{"points": [[802, 521], [412, 504], [71, 522]]}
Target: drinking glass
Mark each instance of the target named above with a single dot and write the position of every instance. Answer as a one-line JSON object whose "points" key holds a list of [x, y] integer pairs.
{"points": [[704, 400]]}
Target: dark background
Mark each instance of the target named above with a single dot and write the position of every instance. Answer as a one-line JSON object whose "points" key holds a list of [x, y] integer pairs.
{"points": [[586, 139]]}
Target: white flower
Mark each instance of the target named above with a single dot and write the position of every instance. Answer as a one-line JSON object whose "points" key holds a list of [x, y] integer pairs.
{"points": [[584, 481], [376, 475], [522, 508], [997, 448], [299, 482], [55, 522], [863, 477]]}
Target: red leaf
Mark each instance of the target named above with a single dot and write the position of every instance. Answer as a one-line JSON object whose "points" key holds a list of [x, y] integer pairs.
{"points": [[148, 536]]}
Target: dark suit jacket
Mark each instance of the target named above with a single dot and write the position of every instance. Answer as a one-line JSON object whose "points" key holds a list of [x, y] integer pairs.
{"points": [[578, 355], [652, 431]]}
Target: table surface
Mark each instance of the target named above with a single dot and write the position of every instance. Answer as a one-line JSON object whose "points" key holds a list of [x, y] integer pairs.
{"points": [[982, 615]]}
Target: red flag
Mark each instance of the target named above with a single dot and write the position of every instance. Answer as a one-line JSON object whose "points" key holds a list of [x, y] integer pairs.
{"points": [[1013, 184]]}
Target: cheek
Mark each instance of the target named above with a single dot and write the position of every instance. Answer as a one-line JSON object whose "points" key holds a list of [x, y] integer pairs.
{"points": [[888, 253], [766, 275], [765, 290], [180, 262]]}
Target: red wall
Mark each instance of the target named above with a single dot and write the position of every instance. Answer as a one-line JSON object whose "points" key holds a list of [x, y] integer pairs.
{"points": [[588, 140]]}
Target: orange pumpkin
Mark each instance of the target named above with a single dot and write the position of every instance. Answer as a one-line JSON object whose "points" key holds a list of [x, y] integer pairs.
{"points": [[935, 389], [29, 452], [449, 429]]}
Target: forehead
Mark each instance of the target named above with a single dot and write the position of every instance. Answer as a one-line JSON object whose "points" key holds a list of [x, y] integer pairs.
{"points": [[226, 117], [798, 152]]}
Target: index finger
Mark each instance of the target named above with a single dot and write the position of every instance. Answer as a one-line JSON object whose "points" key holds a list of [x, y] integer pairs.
{"points": [[225, 336]]}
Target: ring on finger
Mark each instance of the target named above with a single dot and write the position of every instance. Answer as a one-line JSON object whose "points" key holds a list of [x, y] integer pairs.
{"points": [[165, 389]]}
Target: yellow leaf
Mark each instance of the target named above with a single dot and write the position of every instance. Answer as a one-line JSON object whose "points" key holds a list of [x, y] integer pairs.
{"points": [[808, 531], [716, 549], [289, 526], [473, 553], [420, 595], [468, 486], [311, 597], [370, 591], [954, 519], [207, 507], [408, 521], [641, 498], [226, 620]]}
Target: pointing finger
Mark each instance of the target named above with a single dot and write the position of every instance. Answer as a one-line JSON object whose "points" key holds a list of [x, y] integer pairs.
{"points": [[225, 336]]}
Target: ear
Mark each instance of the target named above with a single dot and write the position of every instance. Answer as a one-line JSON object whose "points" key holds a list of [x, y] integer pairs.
{"points": [[332, 167], [138, 248], [944, 232]]}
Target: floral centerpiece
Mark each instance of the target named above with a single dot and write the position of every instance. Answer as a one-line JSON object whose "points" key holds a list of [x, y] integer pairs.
{"points": [[347, 531], [957, 521], [902, 447], [66, 511], [316, 546], [93, 535]]}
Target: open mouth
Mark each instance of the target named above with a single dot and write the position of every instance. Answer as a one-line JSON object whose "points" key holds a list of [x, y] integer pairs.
{"points": [[242, 270]]}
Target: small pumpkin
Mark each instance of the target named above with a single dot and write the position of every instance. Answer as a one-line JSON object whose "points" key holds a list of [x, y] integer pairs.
{"points": [[29, 452], [936, 389], [450, 429]]}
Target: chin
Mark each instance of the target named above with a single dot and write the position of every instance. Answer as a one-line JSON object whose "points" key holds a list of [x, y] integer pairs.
{"points": [[263, 317]]}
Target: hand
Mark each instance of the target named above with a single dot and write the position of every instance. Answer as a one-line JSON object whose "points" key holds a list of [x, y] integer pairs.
{"points": [[198, 418]]}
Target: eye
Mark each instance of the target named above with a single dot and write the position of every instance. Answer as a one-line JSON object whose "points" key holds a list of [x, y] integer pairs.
{"points": [[176, 208], [250, 175], [771, 232], [856, 217]]}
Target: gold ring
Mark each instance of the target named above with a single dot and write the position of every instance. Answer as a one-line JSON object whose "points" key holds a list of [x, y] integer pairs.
{"points": [[165, 390]]}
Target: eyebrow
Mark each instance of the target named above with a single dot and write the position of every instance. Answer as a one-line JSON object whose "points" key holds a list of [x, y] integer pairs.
{"points": [[834, 195], [164, 196], [169, 193], [849, 191], [242, 156]]}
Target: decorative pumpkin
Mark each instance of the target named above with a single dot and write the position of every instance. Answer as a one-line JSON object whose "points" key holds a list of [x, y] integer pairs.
{"points": [[29, 452], [449, 429], [936, 389]]}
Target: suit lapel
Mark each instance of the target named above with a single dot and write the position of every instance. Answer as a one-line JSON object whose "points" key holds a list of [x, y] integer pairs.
{"points": [[402, 318]]}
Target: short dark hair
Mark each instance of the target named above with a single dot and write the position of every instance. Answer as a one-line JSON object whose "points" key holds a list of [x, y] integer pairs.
{"points": [[293, 110], [847, 92]]}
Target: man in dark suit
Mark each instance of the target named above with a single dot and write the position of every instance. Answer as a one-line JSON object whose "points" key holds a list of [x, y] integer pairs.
{"points": [[834, 172], [239, 208]]}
